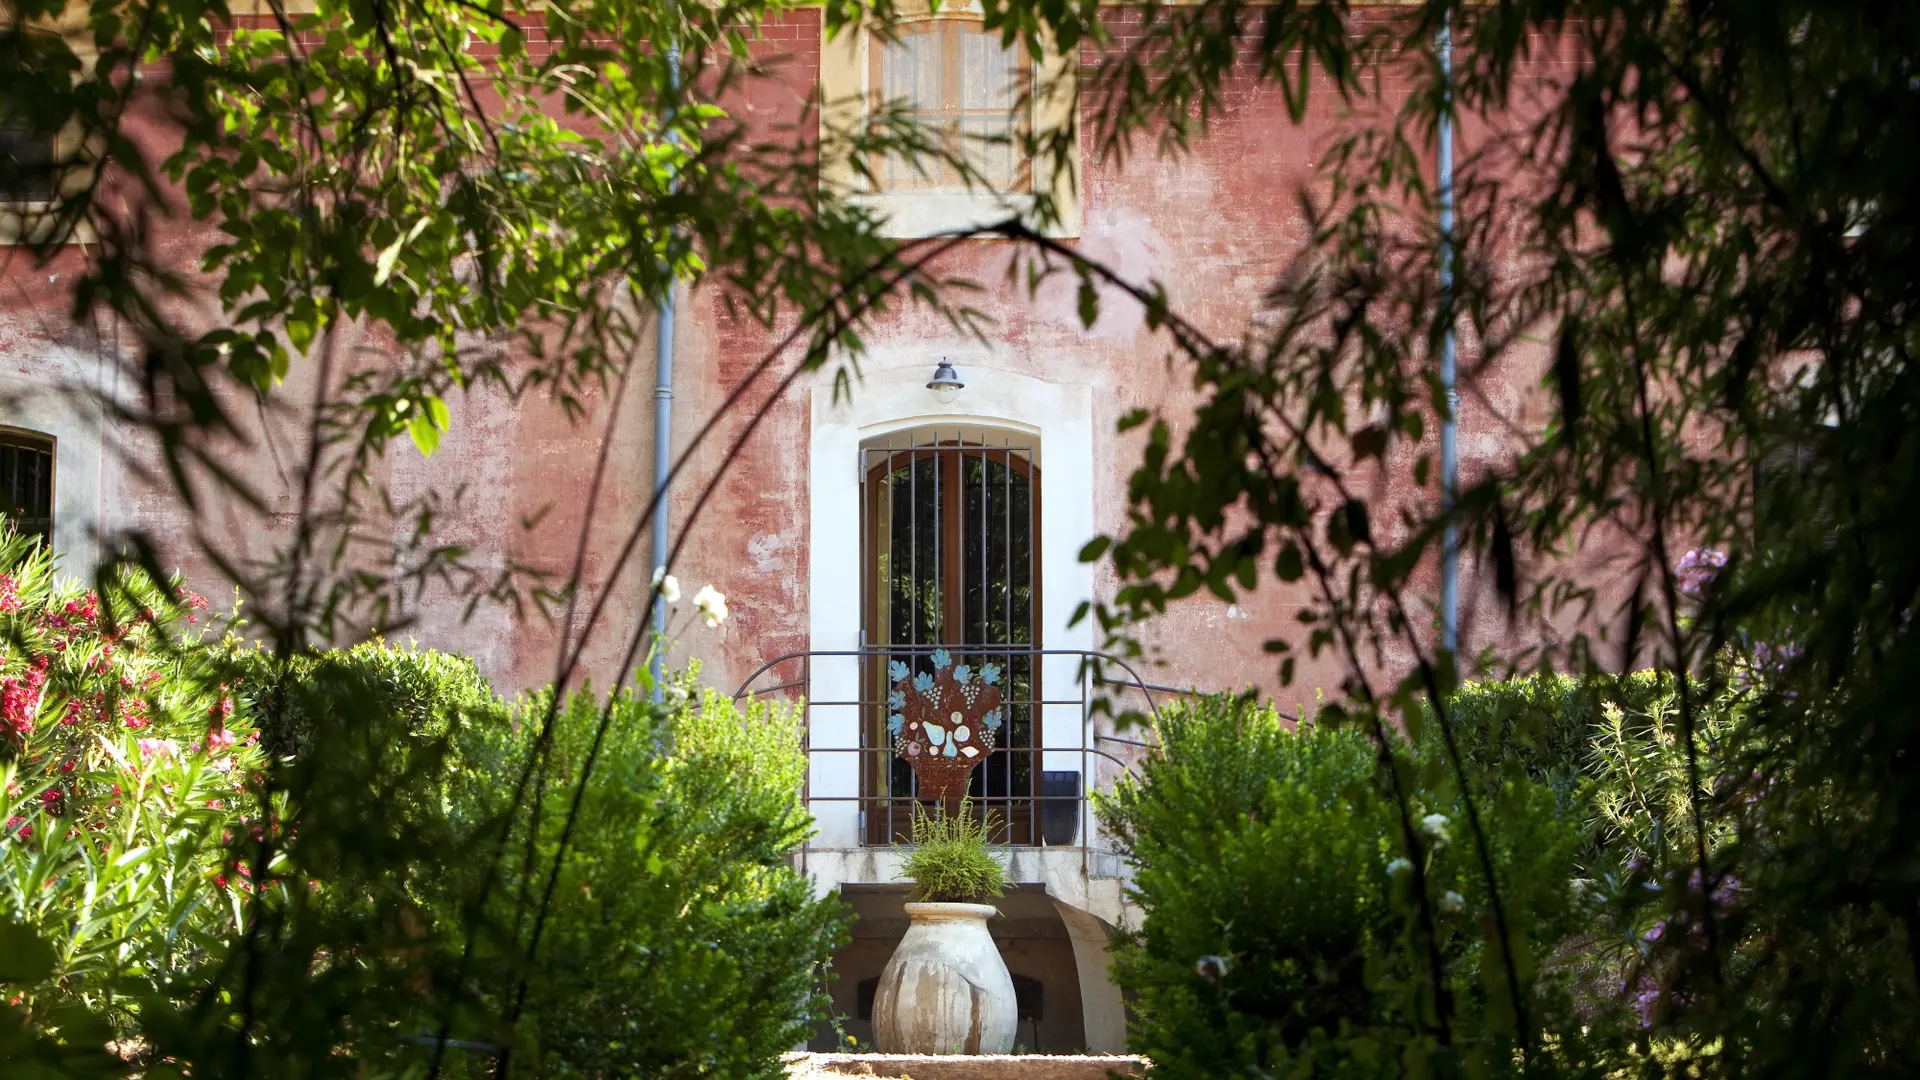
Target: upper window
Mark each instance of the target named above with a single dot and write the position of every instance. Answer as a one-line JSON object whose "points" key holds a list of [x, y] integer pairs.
{"points": [[26, 162], [982, 102], [963, 83], [35, 167], [26, 482]]}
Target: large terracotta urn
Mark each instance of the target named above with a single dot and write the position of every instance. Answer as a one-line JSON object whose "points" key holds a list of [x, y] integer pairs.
{"points": [[946, 990]]}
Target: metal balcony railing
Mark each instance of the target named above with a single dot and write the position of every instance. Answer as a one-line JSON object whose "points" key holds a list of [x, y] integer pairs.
{"points": [[1055, 749]]}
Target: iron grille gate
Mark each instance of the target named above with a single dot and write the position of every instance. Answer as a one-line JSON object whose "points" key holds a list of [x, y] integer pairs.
{"points": [[950, 564]]}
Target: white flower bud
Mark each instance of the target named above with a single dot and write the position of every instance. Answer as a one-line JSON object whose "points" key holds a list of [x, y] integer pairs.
{"points": [[666, 585]]}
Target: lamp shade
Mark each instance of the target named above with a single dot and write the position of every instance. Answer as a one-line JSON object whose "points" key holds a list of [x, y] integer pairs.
{"points": [[946, 384]]}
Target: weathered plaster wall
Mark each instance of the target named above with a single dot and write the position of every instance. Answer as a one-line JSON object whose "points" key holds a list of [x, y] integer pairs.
{"points": [[1214, 227]]}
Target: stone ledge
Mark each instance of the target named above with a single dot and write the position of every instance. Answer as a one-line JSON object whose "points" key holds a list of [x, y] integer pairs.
{"points": [[963, 1067]]}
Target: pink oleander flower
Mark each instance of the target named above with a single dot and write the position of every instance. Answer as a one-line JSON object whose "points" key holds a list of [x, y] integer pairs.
{"points": [[158, 748], [20, 701], [193, 601]]}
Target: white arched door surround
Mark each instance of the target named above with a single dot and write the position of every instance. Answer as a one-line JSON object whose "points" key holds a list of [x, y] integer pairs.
{"points": [[1056, 421]]}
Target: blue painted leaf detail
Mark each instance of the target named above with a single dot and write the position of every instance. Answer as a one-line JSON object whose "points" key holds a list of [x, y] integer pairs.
{"points": [[896, 670], [990, 674], [962, 674], [942, 658], [992, 720], [895, 723], [923, 682], [896, 700]]}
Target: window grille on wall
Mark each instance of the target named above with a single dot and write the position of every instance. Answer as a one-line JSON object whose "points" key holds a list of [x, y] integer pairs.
{"points": [[26, 482], [962, 83], [950, 560]]}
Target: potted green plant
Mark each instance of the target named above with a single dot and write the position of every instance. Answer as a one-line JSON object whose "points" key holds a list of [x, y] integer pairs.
{"points": [[946, 989]]}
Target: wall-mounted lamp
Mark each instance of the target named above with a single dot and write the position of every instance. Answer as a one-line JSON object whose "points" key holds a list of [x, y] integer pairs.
{"points": [[946, 384]]}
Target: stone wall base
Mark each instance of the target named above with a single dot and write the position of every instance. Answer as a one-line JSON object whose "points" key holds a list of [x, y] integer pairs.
{"points": [[963, 1067]]}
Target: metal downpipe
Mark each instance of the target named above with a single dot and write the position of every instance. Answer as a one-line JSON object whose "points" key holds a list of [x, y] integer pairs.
{"points": [[1449, 462], [663, 436]]}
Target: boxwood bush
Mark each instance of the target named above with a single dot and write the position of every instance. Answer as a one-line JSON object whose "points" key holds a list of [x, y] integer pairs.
{"points": [[681, 943], [676, 939], [1538, 727], [1269, 863]]}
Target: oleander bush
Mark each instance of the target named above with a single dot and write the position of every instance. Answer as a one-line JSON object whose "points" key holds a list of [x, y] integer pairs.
{"points": [[126, 769]]}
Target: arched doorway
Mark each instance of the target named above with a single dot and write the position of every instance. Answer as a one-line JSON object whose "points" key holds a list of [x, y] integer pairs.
{"points": [[950, 568]]}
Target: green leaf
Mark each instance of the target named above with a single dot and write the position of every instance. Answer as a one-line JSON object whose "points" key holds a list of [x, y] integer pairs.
{"points": [[1355, 513], [424, 434], [24, 956], [300, 331], [390, 256], [429, 420], [1095, 548], [1288, 566], [1089, 304]]}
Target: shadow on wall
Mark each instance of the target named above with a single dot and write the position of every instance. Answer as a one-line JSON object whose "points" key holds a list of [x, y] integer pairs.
{"points": [[1032, 939]]}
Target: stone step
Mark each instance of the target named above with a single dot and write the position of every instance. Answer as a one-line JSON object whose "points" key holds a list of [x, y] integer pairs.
{"points": [[963, 1067]]}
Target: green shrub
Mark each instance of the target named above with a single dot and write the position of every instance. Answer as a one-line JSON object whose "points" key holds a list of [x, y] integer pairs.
{"points": [[677, 940], [681, 942], [1276, 915], [1539, 727], [950, 861], [145, 898]]}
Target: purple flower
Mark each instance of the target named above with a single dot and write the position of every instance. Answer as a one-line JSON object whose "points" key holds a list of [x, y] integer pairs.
{"points": [[1724, 894], [1646, 998], [1697, 570]]}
